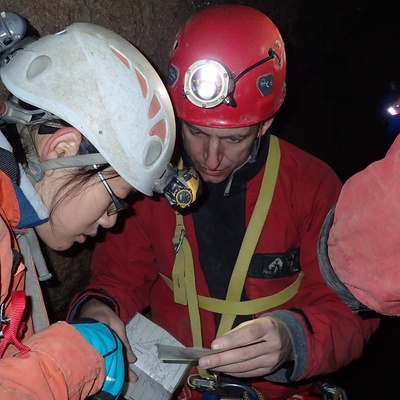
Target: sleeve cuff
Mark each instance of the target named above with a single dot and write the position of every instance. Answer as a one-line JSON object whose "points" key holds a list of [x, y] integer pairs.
{"points": [[86, 296], [293, 370]]}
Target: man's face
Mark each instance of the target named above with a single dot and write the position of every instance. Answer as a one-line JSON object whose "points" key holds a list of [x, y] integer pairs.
{"points": [[216, 152]]}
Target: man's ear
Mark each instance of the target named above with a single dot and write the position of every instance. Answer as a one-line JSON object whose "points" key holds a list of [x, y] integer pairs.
{"points": [[63, 143], [265, 126]]}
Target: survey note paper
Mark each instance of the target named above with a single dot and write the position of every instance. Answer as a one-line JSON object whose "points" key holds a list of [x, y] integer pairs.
{"points": [[181, 354], [171, 353]]}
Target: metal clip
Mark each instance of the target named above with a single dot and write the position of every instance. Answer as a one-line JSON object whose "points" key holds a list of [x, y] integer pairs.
{"points": [[196, 382], [221, 387], [180, 241], [333, 392]]}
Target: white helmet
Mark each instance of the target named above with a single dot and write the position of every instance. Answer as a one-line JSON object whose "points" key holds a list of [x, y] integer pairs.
{"points": [[102, 85]]}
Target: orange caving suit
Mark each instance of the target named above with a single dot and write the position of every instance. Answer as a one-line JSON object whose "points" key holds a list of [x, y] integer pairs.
{"points": [[60, 364]]}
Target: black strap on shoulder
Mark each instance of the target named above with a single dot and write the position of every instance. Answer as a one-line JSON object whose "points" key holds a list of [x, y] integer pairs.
{"points": [[9, 165]]}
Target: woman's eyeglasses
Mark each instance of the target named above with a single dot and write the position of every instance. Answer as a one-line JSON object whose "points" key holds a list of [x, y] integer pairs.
{"points": [[118, 204]]}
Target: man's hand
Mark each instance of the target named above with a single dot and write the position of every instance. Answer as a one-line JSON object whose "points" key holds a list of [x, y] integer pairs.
{"points": [[99, 311], [253, 360]]}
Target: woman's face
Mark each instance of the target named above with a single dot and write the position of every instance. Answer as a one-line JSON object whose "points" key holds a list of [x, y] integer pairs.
{"points": [[78, 215]]}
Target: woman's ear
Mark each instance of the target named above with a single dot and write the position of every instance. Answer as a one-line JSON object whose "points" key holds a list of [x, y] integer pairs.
{"points": [[63, 143]]}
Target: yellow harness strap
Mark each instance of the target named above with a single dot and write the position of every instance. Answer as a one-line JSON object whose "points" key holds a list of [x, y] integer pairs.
{"points": [[253, 232], [248, 307], [183, 277]]}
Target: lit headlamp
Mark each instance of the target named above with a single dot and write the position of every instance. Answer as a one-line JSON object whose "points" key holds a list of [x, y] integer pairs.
{"points": [[208, 83], [180, 187], [394, 108]]}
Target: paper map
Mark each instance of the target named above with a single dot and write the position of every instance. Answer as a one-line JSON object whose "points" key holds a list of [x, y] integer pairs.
{"points": [[157, 380]]}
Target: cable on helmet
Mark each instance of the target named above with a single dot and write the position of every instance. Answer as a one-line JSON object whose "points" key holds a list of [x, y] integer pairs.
{"points": [[209, 83]]}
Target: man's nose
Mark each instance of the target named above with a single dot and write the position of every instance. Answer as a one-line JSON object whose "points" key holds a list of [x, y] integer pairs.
{"points": [[213, 154]]}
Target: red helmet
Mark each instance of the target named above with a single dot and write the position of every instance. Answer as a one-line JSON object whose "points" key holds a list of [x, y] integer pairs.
{"points": [[227, 68]]}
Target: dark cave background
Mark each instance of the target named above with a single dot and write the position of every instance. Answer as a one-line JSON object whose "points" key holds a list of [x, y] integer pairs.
{"points": [[342, 55]]}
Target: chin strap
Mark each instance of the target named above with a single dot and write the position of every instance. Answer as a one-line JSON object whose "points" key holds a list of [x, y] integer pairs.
{"points": [[12, 113], [37, 169]]}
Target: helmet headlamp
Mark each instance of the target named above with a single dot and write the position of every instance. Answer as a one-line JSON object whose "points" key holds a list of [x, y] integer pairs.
{"points": [[207, 83], [12, 30], [180, 187], [394, 107]]}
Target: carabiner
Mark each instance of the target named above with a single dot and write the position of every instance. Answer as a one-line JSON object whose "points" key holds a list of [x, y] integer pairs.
{"points": [[197, 382]]}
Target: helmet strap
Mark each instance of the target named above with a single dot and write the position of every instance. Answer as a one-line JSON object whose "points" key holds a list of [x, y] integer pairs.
{"points": [[250, 160], [254, 151], [36, 170]]}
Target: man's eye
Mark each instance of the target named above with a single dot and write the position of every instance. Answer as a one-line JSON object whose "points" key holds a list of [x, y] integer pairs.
{"points": [[235, 140], [196, 133]]}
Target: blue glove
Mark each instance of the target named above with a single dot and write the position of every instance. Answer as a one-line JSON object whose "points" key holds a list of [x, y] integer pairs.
{"points": [[107, 343]]}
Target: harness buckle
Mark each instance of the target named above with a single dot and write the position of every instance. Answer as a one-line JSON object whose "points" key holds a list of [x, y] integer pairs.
{"points": [[233, 389], [196, 382]]}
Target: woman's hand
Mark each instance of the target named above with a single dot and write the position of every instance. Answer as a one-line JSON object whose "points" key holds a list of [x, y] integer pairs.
{"points": [[251, 360], [99, 311]]}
